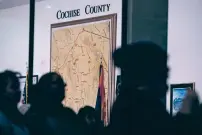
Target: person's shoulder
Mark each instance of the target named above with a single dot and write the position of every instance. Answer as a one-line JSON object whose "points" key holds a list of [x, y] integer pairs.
{"points": [[4, 120], [66, 112], [5, 124]]}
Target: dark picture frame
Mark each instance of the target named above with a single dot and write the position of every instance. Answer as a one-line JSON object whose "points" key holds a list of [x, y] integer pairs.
{"points": [[177, 94], [24, 91]]}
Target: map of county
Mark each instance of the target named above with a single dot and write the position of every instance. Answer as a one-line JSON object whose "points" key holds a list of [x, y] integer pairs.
{"points": [[76, 53]]}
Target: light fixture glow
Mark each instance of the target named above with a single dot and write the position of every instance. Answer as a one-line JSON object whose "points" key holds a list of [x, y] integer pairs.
{"points": [[48, 6]]}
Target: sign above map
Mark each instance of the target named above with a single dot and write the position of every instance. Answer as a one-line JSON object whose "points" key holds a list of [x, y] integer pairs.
{"points": [[89, 9]]}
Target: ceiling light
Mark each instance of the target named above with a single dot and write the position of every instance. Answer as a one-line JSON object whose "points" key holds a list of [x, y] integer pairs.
{"points": [[48, 6]]}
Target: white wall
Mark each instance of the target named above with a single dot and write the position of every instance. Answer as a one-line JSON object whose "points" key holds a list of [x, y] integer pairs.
{"points": [[185, 42], [14, 37], [14, 30]]}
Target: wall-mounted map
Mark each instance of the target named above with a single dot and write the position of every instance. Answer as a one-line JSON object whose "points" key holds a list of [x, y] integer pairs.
{"points": [[77, 50]]}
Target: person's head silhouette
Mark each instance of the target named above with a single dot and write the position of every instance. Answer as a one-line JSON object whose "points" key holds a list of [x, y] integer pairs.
{"points": [[9, 89], [88, 115], [52, 88], [144, 66]]}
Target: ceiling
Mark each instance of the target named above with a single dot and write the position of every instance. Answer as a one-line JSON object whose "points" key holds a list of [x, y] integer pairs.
{"points": [[14, 3]]}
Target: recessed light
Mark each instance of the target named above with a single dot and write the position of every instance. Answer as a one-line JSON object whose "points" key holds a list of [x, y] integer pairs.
{"points": [[48, 6]]}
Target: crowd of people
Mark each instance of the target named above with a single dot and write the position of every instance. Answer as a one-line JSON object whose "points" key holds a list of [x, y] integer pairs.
{"points": [[138, 109]]}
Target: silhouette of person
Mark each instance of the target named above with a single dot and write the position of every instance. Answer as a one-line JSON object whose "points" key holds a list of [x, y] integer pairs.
{"points": [[11, 119], [138, 108], [144, 76], [53, 118], [90, 120]]}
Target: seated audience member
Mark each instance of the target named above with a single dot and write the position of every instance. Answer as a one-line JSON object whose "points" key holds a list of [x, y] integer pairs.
{"points": [[11, 120], [51, 117], [90, 120], [138, 109]]}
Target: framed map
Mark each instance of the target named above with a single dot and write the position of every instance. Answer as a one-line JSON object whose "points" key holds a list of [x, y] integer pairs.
{"points": [[178, 93], [77, 50]]}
